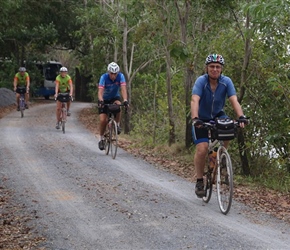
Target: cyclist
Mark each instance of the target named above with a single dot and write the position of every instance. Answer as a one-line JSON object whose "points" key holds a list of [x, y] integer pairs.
{"points": [[63, 84], [207, 103], [108, 92], [21, 79]]}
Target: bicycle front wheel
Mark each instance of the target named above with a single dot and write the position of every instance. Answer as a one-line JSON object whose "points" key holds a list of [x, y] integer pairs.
{"points": [[63, 126], [63, 118], [224, 181], [22, 106], [207, 180], [113, 138]]}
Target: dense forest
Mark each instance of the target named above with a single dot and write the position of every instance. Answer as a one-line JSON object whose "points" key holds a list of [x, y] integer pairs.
{"points": [[161, 46]]}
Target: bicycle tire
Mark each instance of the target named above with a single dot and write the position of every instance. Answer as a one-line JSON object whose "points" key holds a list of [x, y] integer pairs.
{"points": [[207, 178], [224, 181], [113, 139]]}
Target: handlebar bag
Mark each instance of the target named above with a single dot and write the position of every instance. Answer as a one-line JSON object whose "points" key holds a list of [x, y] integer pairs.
{"points": [[21, 90], [114, 108], [224, 130], [63, 97]]}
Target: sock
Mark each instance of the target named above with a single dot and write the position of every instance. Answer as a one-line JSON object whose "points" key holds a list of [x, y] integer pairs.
{"points": [[199, 180], [101, 137]]}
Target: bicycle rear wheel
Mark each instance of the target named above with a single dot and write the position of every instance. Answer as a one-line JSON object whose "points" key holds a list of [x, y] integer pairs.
{"points": [[113, 138], [224, 181]]}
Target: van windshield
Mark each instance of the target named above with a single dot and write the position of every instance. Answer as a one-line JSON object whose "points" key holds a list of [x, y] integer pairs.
{"points": [[51, 71]]}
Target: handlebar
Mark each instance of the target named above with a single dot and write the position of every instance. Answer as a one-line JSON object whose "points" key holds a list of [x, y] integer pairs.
{"points": [[113, 104], [211, 124], [63, 94]]}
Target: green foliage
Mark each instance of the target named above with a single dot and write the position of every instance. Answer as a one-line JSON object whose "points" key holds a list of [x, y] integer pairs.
{"points": [[7, 72]]}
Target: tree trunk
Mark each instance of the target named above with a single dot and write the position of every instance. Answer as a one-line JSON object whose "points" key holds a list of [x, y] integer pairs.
{"points": [[188, 72], [241, 142], [243, 153], [171, 138]]}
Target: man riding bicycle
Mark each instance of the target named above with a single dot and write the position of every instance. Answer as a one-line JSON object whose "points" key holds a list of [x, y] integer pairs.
{"points": [[21, 79], [207, 103], [63, 84], [108, 92]]}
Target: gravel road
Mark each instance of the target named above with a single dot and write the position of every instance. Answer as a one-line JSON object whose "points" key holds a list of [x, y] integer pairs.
{"points": [[83, 199]]}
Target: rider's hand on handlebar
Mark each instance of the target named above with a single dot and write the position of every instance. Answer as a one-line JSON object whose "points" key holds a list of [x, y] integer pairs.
{"points": [[196, 122], [243, 120], [100, 103], [126, 104]]}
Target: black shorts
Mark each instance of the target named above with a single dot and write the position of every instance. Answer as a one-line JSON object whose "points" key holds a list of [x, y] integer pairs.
{"points": [[104, 110]]}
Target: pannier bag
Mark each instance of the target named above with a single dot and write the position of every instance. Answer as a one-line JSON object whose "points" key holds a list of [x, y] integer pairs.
{"points": [[224, 130], [63, 97]]}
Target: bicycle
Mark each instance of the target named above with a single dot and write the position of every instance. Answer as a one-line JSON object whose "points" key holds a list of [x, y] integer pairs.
{"points": [[21, 91], [111, 133], [63, 98], [221, 174]]}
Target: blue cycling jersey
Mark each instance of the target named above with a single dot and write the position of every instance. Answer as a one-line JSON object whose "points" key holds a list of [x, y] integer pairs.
{"points": [[211, 103], [111, 88]]}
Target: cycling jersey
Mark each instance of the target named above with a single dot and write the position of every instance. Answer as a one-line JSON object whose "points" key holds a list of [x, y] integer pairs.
{"points": [[211, 103], [111, 88], [63, 83], [21, 79]]}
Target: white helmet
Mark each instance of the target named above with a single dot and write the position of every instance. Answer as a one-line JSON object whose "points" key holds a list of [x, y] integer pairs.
{"points": [[22, 69], [113, 67], [63, 69]]}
